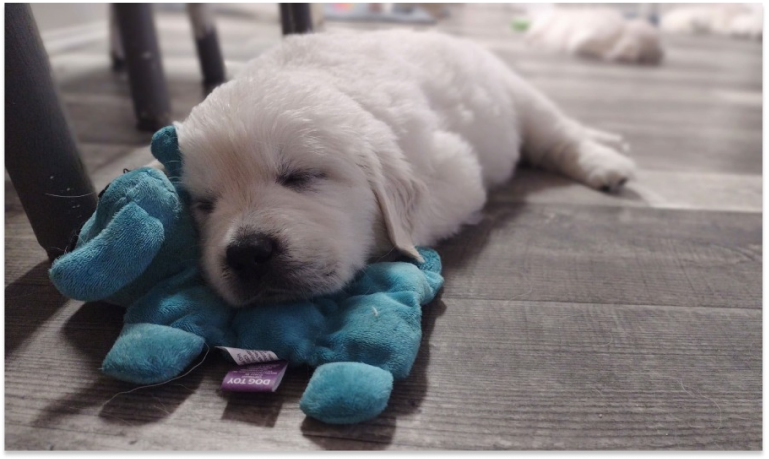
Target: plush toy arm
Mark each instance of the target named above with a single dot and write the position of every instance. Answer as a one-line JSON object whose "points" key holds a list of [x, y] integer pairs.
{"points": [[149, 353], [165, 148], [347, 393], [111, 260]]}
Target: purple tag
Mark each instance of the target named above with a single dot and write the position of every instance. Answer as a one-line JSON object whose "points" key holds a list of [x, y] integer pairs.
{"points": [[260, 377]]}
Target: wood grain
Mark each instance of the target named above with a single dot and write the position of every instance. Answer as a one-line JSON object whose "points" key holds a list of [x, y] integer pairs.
{"points": [[490, 375], [652, 188], [607, 255]]}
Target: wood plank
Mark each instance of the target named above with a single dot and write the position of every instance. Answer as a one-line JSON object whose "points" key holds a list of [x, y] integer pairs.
{"points": [[241, 38], [650, 188], [490, 375], [607, 255], [699, 73], [694, 154]]}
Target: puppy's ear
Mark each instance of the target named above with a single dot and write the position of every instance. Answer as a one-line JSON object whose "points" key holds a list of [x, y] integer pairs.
{"points": [[398, 192]]}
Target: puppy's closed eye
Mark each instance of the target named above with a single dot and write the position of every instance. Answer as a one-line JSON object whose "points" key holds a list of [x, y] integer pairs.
{"points": [[300, 180], [204, 205]]}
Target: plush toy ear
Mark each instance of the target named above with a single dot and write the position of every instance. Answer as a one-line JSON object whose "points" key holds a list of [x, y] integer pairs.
{"points": [[397, 193], [165, 147], [111, 260]]}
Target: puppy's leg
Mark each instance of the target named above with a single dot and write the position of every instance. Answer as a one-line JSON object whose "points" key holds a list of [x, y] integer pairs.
{"points": [[585, 43], [609, 139], [552, 140]]}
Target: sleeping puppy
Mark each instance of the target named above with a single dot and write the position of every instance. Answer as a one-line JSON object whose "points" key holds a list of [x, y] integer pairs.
{"points": [[601, 33], [741, 20], [334, 149]]}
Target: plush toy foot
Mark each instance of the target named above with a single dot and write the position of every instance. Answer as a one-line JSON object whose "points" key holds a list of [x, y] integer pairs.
{"points": [[347, 393], [149, 353]]}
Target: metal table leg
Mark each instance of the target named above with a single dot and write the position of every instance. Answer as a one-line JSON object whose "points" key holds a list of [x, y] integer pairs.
{"points": [[295, 18], [145, 67], [41, 154], [116, 53], [207, 44]]}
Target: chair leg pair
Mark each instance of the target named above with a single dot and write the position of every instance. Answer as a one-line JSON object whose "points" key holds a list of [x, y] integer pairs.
{"points": [[42, 157]]}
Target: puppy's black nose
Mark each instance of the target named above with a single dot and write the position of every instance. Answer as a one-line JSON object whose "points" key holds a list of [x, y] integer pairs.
{"points": [[249, 255]]}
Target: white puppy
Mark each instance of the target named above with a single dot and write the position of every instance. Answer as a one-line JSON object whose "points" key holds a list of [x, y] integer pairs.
{"points": [[742, 20], [332, 149], [596, 32]]}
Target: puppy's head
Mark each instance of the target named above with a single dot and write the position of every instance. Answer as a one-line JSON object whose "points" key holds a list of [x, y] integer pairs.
{"points": [[294, 187]]}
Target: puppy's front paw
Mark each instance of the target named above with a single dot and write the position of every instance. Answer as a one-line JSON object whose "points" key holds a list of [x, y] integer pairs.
{"points": [[604, 168]]}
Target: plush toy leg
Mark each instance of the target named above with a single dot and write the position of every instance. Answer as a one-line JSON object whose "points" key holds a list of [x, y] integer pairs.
{"points": [[347, 393], [149, 353]]}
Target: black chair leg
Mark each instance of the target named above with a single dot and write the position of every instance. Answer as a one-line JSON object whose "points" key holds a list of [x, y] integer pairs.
{"points": [[116, 53], [207, 44], [295, 18], [145, 66], [41, 154]]}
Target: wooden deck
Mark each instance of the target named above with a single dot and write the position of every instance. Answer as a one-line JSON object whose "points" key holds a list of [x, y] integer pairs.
{"points": [[570, 319]]}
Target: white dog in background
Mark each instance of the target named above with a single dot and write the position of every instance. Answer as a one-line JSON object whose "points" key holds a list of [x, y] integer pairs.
{"points": [[334, 149], [601, 33], [741, 20]]}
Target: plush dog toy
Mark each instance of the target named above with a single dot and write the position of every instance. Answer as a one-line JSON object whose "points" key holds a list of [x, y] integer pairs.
{"points": [[139, 250]]}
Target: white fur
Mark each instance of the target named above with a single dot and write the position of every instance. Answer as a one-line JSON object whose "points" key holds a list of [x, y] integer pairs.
{"points": [[406, 130], [596, 32], [743, 20]]}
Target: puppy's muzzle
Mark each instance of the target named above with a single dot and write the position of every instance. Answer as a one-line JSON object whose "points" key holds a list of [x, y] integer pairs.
{"points": [[249, 256]]}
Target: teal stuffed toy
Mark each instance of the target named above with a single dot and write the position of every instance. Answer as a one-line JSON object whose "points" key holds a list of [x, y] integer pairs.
{"points": [[139, 250]]}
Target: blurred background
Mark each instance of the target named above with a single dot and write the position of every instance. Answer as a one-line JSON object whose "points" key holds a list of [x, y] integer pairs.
{"points": [[703, 77]]}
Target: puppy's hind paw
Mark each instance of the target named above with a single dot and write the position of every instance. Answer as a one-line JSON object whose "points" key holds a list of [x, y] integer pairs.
{"points": [[613, 189], [604, 168]]}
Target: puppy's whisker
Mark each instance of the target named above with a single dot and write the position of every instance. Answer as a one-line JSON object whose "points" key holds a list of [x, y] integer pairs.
{"points": [[385, 255], [69, 196]]}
